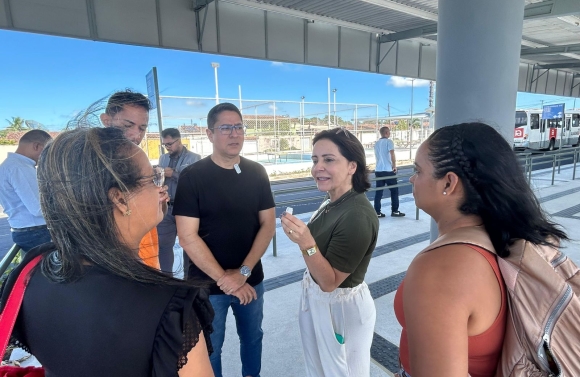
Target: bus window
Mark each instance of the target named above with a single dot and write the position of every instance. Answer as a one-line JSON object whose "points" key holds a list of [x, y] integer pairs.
{"points": [[521, 119], [575, 120], [568, 124], [535, 121]]}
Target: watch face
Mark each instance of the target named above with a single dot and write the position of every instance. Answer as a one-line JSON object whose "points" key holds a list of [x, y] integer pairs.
{"points": [[311, 251], [245, 270]]}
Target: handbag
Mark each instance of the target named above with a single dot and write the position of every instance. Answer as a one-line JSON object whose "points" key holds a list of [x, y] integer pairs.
{"points": [[8, 319]]}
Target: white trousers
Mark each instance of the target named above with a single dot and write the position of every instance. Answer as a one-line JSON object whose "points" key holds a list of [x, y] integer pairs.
{"points": [[336, 329]]}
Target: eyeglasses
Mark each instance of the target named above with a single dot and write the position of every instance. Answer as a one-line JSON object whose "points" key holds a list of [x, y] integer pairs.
{"points": [[343, 129], [227, 129], [170, 144], [158, 176]]}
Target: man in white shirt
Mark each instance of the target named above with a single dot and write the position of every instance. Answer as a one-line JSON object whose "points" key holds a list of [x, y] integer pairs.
{"points": [[19, 193], [386, 167]]}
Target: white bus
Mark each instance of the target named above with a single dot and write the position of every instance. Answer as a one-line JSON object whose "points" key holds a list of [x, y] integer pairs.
{"points": [[533, 132]]}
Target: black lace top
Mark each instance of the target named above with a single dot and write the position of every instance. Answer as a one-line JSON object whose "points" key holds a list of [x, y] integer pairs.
{"points": [[104, 325]]}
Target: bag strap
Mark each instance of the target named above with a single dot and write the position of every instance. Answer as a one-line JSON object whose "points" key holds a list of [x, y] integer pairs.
{"points": [[10, 312], [472, 235]]}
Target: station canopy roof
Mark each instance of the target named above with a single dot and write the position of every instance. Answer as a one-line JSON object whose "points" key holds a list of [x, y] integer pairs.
{"points": [[383, 36]]}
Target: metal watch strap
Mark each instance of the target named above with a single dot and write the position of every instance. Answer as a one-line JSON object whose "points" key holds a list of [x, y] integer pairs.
{"points": [[245, 270], [309, 251]]}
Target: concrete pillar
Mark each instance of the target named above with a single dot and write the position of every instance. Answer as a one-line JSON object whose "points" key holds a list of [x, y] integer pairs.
{"points": [[478, 54]]}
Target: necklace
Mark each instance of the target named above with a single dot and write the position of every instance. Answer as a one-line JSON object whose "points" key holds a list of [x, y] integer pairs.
{"points": [[326, 205]]}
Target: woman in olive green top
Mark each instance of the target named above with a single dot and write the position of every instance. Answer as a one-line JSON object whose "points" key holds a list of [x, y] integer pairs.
{"points": [[337, 314]]}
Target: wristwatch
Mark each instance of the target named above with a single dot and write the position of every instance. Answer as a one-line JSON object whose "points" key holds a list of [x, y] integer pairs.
{"points": [[245, 270], [309, 252]]}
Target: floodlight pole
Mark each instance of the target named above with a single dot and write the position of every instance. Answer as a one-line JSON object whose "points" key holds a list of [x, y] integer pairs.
{"points": [[217, 96], [334, 92], [240, 96], [329, 103], [301, 127], [411, 122]]}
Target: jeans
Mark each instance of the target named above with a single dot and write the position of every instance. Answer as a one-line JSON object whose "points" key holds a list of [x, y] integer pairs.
{"points": [[31, 238], [249, 326], [167, 231], [394, 190]]}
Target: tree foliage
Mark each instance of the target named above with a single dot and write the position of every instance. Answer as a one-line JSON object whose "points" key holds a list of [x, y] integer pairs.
{"points": [[16, 124]]}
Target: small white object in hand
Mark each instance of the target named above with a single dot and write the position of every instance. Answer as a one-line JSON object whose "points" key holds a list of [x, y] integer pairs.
{"points": [[289, 210]]}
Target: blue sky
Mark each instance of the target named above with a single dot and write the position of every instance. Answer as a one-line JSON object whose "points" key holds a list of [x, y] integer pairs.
{"points": [[49, 79]]}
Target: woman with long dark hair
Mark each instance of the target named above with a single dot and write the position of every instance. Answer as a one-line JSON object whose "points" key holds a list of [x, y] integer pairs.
{"points": [[337, 314], [92, 307], [452, 303]]}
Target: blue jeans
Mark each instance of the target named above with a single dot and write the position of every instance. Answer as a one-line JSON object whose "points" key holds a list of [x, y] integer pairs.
{"points": [[394, 190], [31, 238], [167, 231], [249, 325]]}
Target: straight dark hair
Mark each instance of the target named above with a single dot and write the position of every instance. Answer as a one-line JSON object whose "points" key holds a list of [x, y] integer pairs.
{"points": [[75, 174], [171, 132], [127, 97], [494, 183], [351, 149], [217, 110], [35, 136]]}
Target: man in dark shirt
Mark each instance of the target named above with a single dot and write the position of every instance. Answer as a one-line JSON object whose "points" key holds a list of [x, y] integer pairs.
{"points": [[225, 218]]}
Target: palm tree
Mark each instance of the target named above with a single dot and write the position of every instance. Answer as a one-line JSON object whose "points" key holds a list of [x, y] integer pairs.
{"points": [[16, 124]]}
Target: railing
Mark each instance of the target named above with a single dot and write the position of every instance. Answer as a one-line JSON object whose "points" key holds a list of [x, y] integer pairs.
{"points": [[571, 155], [528, 159]]}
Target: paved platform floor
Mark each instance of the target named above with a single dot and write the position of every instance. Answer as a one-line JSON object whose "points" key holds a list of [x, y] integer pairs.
{"points": [[400, 239]]}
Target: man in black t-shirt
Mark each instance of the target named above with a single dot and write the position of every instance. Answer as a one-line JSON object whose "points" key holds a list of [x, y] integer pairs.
{"points": [[225, 218]]}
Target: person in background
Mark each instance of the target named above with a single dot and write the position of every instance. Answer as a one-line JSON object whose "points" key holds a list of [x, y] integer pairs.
{"points": [[225, 217], [337, 313], [19, 191], [468, 187], [173, 162], [386, 167], [108, 314], [129, 111]]}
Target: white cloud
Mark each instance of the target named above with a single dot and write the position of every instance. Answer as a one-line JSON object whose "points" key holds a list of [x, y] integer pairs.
{"points": [[277, 64], [194, 103], [403, 82], [273, 107]]}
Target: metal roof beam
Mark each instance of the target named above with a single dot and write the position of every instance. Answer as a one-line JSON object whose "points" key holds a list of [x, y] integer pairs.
{"points": [[544, 9], [551, 8], [413, 11], [408, 34], [198, 5], [558, 66], [551, 50], [304, 15]]}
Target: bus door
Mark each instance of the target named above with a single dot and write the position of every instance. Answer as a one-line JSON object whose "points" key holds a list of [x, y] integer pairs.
{"points": [[567, 131], [575, 129], [534, 136], [543, 138]]}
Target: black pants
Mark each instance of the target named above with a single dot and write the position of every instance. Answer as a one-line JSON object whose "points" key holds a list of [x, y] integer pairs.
{"points": [[394, 190]]}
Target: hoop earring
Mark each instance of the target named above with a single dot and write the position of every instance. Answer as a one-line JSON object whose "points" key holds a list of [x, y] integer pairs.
{"points": [[127, 213]]}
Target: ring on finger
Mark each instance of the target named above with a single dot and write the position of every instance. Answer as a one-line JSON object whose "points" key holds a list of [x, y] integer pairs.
{"points": [[290, 231]]}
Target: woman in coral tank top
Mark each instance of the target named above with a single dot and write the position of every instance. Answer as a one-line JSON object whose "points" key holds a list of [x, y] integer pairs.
{"points": [[452, 302]]}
